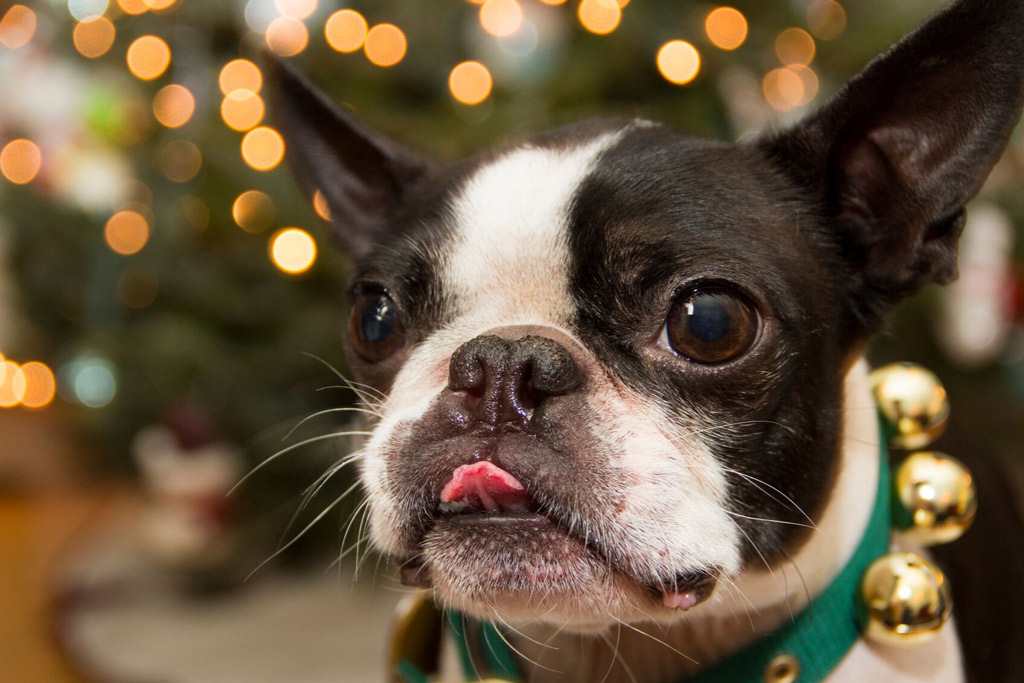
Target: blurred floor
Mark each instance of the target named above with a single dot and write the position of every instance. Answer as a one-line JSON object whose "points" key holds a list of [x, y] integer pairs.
{"points": [[42, 506], [51, 517]]}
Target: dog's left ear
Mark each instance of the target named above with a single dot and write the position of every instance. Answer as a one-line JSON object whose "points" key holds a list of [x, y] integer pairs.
{"points": [[895, 155]]}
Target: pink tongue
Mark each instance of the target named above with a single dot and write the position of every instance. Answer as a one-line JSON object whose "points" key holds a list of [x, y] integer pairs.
{"points": [[683, 600], [484, 485]]}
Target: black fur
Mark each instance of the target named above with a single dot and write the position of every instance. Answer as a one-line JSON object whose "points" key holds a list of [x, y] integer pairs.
{"points": [[823, 227]]}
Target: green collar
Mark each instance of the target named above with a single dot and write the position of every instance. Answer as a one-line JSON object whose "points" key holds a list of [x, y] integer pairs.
{"points": [[805, 649]]}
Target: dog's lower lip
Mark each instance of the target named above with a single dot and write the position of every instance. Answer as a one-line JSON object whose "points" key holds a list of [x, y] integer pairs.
{"points": [[498, 519]]}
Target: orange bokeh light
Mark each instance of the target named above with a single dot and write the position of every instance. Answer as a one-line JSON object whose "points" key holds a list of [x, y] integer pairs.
{"points": [[133, 7], [174, 105], [726, 28], [790, 87], [126, 232], [794, 46], [292, 250], [287, 36], [678, 62], [345, 30], [321, 206], [826, 19], [242, 110], [17, 27], [385, 45], [20, 161], [148, 57], [262, 148], [39, 385], [501, 18], [253, 211], [470, 82], [12, 384], [240, 74], [94, 37], [599, 16], [159, 4]]}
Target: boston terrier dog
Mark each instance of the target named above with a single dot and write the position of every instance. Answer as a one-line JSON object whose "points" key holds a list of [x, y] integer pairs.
{"points": [[621, 410]]}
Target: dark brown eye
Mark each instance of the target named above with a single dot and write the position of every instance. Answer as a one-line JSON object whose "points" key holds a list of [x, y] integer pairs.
{"points": [[712, 325], [374, 327]]}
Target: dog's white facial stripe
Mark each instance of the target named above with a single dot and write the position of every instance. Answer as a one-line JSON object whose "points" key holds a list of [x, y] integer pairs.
{"points": [[510, 258], [507, 264]]}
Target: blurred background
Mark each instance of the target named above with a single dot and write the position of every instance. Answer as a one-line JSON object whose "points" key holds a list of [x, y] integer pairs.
{"points": [[171, 312]]}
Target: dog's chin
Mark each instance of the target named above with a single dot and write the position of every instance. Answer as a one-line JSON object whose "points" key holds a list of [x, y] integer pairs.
{"points": [[525, 567]]}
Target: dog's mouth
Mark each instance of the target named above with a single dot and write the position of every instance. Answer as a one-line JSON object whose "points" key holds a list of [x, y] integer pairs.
{"points": [[491, 533], [484, 493]]}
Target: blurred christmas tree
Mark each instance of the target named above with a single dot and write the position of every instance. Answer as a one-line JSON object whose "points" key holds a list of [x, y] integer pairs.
{"points": [[163, 260]]}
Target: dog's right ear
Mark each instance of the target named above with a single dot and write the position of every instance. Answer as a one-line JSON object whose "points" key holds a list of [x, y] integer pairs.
{"points": [[895, 155], [362, 176]]}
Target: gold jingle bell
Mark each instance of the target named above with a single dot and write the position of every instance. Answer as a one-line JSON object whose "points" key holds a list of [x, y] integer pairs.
{"points": [[904, 600], [913, 404], [934, 498]]}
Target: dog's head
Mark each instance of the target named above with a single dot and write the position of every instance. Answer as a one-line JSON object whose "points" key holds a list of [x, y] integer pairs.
{"points": [[611, 356]]}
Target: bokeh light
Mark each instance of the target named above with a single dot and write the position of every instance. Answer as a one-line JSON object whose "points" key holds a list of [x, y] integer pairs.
{"points": [[470, 82], [287, 36], [173, 105], [826, 19], [240, 74], [292, 250], [678, 62], [148, 57], [321, 206], [263, 148], [133, 7], [180, 161], [599, 16], [726, 28], [553, 2], [345, 30], [790, 87], [159, 5], [809, 79], [242, 110], [385, 45], [126, 232], [194, 210], [84, 10], [17, 27], [94, 37], [89, 380], [501, 18], [794, 46], [39, 385], [12, 384], [137, 288], [299, 9], [20, 161], [253, 211]]}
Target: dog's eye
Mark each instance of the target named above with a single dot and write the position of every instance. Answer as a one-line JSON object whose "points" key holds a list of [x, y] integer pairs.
{"points": [[374, 327], [711, 325]]}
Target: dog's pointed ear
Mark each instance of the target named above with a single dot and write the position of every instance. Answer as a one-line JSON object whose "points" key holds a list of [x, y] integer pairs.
{"points": [[894, 156], [362, 176]]}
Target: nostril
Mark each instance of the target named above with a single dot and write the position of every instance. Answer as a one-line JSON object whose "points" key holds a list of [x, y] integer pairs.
{"points": [[551, 368]]}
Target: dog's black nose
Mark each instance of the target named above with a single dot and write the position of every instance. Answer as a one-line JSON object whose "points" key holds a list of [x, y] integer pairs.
{"points": [[506, 380]]}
